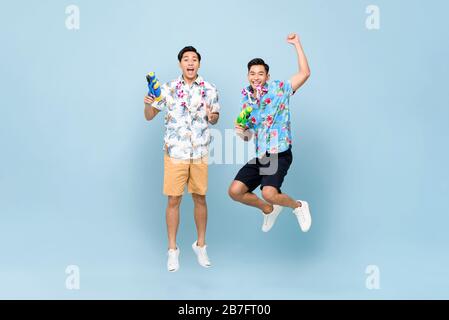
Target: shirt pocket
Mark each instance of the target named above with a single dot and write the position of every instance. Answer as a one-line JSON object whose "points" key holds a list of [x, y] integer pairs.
{"points": [[175, 116]]}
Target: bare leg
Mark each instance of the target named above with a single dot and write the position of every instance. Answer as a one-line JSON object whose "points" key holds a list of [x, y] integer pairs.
{"points": [[238, 191], [200, 212], [172, 219], [272, 195]]}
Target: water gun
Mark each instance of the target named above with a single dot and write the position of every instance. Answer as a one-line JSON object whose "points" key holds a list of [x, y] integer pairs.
{"points": [[154, 88], [242, 119]]}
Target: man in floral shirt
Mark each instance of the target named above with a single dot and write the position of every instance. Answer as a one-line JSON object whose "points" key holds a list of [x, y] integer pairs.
{"points": [[269, 123], [190, 104]]}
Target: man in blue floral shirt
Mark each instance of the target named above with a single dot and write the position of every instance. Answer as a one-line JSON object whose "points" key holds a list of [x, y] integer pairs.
{"points": [[269, 124]]}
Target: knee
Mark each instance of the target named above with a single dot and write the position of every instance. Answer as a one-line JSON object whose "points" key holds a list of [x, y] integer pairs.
{"points": [[269, 194], [199, 199], [174, 202], [235, 192]]}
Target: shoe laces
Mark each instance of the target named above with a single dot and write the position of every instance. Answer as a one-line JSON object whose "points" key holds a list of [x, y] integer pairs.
{"points": [[203, 252], [300, 213], [172, 255], [265, 218]]}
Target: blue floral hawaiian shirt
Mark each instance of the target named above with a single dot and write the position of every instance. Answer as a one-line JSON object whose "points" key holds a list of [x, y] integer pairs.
{"points": [[270, 117]]}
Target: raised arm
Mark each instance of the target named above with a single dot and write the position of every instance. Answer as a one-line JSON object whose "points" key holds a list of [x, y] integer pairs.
{"points": [[298, 79]]}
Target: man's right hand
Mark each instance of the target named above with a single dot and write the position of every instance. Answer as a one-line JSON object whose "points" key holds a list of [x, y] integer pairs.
{"points": [[148, 100], [243, 133], [149, 111]]}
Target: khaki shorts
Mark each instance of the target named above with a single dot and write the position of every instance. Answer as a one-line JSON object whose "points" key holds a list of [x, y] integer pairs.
{"points": [[179, 173]]}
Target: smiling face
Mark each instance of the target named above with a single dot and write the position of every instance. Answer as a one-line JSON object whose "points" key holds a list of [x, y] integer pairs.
{"points": [[257, 76], [189, 65]]}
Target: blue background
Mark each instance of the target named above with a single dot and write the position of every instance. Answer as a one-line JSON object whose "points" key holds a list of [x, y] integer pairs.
{"points": [[81, 170]]}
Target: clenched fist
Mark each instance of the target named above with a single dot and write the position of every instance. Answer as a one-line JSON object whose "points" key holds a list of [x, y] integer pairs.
{"points": [[293, 38]]}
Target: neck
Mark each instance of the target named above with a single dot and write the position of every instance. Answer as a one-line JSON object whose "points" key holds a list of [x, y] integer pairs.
{"points": [[189, 81]]}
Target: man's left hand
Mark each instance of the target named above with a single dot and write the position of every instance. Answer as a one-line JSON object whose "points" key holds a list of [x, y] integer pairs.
{"points": [[212, 117]]}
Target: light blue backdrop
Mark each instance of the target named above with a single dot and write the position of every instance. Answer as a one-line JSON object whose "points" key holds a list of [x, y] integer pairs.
{"points": [[81, 170]]}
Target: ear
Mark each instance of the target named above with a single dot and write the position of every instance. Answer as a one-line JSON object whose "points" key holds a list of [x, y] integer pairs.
{"points": [[268, 77]]}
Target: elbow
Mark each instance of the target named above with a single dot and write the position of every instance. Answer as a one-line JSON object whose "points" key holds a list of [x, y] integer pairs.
{"points": [[307, 74], [150, 112]]}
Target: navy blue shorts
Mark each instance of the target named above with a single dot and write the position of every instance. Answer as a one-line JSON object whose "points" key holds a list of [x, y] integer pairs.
{"points": [[268, 171]]}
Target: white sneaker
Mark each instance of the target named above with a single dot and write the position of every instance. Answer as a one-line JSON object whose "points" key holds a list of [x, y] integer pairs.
{"points": [[201, 254], [302, 213], [173, 261], [270, 219]]}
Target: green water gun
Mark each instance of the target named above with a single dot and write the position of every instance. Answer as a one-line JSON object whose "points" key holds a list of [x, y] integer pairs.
{"points": [[242, 119]]}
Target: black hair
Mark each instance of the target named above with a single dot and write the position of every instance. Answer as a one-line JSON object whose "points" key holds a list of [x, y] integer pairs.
{"points": [[258, 62], [188, 49]]}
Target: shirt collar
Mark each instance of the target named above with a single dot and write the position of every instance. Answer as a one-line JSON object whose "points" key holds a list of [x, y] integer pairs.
{"points": [[197, 81], [250, 89]]}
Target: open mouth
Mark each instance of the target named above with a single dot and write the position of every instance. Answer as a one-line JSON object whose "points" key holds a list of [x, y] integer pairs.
{"points": [[190, 69]]}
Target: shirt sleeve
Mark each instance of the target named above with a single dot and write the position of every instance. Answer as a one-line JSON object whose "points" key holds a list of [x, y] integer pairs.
{"points": [[165, 92], [287, 86]]}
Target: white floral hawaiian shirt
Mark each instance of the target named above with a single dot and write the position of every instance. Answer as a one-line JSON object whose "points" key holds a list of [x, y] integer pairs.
{"points": [[187, 133]]}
